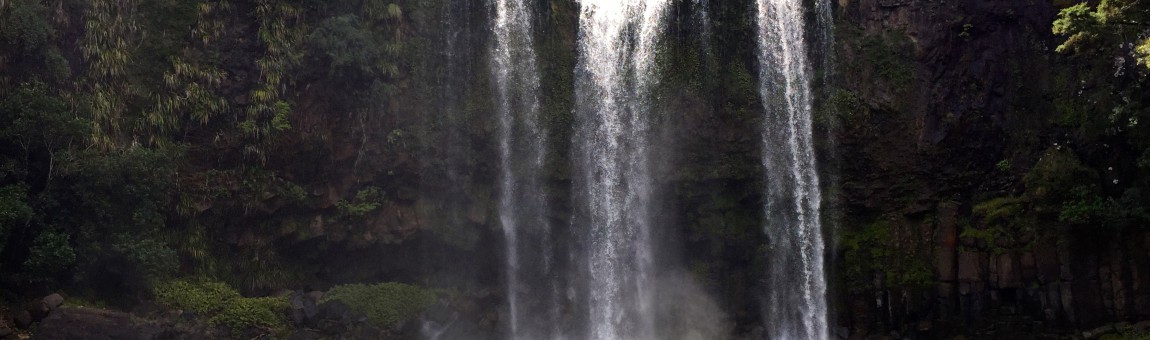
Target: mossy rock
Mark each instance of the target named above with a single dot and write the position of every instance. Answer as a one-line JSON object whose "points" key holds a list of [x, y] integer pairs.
{"points": [[387, 305]]}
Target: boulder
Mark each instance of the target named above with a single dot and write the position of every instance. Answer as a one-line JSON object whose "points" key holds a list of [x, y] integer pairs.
{"points": [[1142, 326], [53, 301], [315, 296], [305, 335], [83, 323], [98, 324], [38, 309], [22, 319], [283, 292], [303, 309]]}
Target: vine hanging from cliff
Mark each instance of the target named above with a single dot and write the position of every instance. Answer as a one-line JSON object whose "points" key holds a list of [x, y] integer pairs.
{"points": [[107, 46], [281, 31]]}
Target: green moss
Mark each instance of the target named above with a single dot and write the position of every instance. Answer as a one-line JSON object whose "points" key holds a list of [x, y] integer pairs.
{"points": [[872, 251], [263, 313], [1001, 208], [385, 304], [199, 297], [1056, 175], [1009, 224], [742, 92], [842, 108], [84, 301], [889, 54]]}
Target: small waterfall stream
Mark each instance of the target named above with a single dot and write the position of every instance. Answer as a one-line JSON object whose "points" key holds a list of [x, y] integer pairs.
{"points": [[532, 292], [796, 306]]}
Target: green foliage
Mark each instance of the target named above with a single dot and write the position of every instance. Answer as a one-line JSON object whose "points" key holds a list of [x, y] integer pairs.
{"points": [[890, 56], [1056, 173], [1008, 223], [14, 207], [268, 313], [347, 44], [965, 34], [864, 249], [1106, 27], [50, 254], [1004, 165], [25, 27], [1079, 22], [363, 53], [101, 183], [154, 257], [1089, 208], [843, 108], [197, 296], [37, 120], [1000, 209], [14, 210], [366, 200], [387, 305], [224, 304], [872, 251], [1143, 50]]}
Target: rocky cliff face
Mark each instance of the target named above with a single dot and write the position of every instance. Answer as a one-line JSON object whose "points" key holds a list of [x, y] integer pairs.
{"points": [[945, 105]]}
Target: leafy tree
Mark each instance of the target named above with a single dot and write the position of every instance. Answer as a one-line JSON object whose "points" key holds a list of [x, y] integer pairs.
{"points": [[51, 254], [1111, 24], [25, 28], [14, 210], [38, 125]]}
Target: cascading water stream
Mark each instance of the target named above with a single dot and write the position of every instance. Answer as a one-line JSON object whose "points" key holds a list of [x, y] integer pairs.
{"points": [[617, 40], [532, 292], [703, 18], [613, 173], [796, 306]]}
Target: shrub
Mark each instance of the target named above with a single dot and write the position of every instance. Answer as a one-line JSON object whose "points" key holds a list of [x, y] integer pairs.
{"points": [[264, 312], [14, 210], [386, 304], [224, 305], [199, 297], [51, 253]]}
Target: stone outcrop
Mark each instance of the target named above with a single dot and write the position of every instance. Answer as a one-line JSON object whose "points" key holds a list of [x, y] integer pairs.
{"points": [[86, 323], [946, 91]]}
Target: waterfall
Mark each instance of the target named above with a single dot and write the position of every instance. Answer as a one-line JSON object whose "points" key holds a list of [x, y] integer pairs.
{"points": [[796, 306], [532, 292], [617, 40], [703, 18]]}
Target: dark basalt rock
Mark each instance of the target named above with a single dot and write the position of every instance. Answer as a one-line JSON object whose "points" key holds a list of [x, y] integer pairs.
{"points": [[22, 319], [305, 335], [86, 323], [53, 301], [303, 308], [38, 309], [83, 323]]}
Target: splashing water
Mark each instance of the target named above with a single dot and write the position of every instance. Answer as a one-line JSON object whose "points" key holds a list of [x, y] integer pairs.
{"points": [[617, 40], [532, 292]]}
